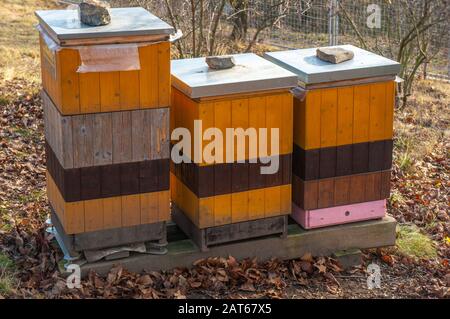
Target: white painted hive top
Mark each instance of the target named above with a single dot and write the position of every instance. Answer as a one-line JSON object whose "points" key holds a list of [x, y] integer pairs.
{"points": [[311, 70], [251, 74], [66, 25]]}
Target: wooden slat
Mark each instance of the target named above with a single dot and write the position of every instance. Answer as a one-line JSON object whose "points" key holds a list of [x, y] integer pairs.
{"points": [[328, 118], [148, 76], [390, 106], [345, 116], [93, 212], [164, 74], [109, 91], [274, 120], [361, 114], [377, 112], [129, 90], [122, 140], [103, 144], [131, 210], [89, 92], [70, 87]]}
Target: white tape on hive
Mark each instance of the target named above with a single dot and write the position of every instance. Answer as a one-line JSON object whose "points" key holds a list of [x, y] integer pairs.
{"points": [[109, 58]]}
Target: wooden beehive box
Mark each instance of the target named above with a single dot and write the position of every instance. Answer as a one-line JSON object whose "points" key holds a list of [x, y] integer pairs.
{"points": [[253, 94], [343, 128], [107, 131], [62, 37]]}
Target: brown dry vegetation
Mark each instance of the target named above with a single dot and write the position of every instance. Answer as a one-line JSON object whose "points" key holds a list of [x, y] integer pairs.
{"points": [[29, 258]]}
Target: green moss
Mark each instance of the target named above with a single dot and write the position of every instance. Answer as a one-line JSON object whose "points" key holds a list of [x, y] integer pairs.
{"points": [[412, 243]]}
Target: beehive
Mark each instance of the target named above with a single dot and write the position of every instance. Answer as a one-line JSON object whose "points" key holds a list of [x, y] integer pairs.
{"points": [[107, 128], [220, 201], [343, 135]]}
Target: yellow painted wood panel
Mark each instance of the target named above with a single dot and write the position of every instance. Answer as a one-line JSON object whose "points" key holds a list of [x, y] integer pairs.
{"points": [[74, 219], [206, 116], [129, 90], [89, 92], [164, 206], [286, 200], [345, 116], [312, 120], [256, 204], [377, 111], [222, 121], [112, 212], [206, 212], [164, 74], [328, 118], [274, 120], [361, 114], [149, 208], [390, 106], [257, 120], [93, 215], [131, 210], [239, 120], [239, 207], [149, 84], [287, 127], [272, 201], [109, 91], [222, 210], [69, 61]]}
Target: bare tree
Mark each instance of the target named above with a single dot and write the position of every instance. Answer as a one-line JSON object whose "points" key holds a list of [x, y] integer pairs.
{"points": [[413, 47]]}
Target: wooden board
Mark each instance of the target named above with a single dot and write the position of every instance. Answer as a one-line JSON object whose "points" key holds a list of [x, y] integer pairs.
{"points": [[106, 138], [338, 191], [206, 238], [226, 209], [256, 111], [342, 160], [222, 179], [312, 219], [75, 93], [96, 182], [320, 242], [101, 214], [330, 117], [109, 238]]}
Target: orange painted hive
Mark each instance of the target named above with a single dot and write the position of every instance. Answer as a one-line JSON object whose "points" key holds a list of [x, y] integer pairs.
{"points": [[228, 197], [343, 133], [106, 96]]}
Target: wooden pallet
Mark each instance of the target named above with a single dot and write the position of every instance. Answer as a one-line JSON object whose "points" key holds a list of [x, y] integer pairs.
{"points": [[213, 236], [321, 242], [99, 240]]}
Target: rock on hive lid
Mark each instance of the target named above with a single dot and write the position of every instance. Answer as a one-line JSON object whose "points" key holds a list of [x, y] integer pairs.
{"points": [[250, 74], [311, 70], [66, 25]]}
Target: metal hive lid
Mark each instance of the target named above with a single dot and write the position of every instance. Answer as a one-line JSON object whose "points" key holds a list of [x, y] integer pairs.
{"points": [[251, 74], [66, 25], [312, 70]]}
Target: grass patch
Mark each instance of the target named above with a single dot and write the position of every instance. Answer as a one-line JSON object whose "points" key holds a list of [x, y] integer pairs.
{"points": [[34, 196], [8, 280], [4, 100], [412, 243]]}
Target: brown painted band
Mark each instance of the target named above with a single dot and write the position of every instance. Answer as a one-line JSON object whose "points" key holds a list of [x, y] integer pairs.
{"points": [[342, 160], [222, 179], [340, 191], [107, 181]]}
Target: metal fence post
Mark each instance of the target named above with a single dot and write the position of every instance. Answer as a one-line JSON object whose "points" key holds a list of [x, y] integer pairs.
{"points": [[333, 22]]}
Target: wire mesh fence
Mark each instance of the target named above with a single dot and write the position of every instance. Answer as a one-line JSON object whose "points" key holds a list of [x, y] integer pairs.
{"points": [[379, 25], [387, 27]]}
